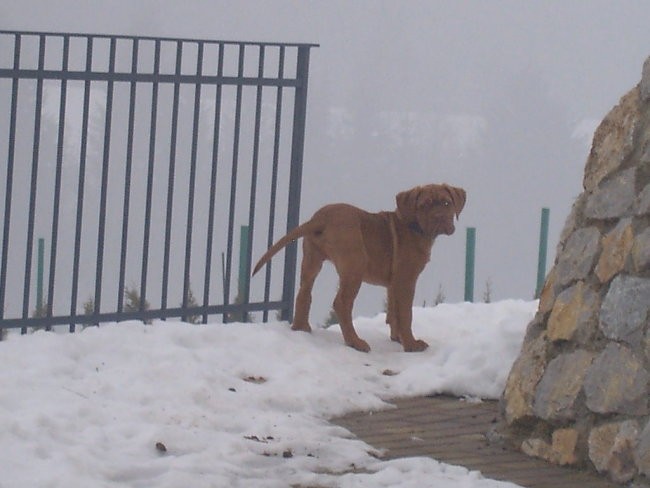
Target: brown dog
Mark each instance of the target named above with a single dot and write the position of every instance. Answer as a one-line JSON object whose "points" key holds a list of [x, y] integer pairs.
{"points": [[386, 248]]}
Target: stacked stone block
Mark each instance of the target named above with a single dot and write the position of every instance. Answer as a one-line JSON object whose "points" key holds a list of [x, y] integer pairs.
{"points": [[579, 392]]}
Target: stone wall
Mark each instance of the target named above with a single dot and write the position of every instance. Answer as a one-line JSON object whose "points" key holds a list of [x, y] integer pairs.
{"points": [[578, 394]]}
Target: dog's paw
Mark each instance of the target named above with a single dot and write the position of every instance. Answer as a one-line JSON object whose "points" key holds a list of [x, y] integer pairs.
{"points": [[301, 327], [416, 346], [359, 345]]}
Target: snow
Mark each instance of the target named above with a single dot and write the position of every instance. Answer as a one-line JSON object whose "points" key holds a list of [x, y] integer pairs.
{"points": [[176, 405]]}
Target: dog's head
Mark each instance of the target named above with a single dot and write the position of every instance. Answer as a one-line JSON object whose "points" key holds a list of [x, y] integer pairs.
{"points": [[431, 208]]}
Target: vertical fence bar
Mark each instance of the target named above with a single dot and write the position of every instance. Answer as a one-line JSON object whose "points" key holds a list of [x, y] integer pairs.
{"points": [[543, 245], [150, 176], [171, 176], [101, 233], [34, 176], [295, 178], [83, 150], [127, 178], [256, 150], [11, 152], [57, 181], [470, 251], [192, 182], [233, 180], [274, 177], [213, 184]]}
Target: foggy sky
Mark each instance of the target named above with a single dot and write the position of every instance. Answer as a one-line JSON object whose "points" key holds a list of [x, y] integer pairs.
{"points": [[498, 97]]}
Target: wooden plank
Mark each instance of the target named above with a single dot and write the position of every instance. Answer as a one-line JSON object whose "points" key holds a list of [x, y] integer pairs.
{"points": [[454, 432]]}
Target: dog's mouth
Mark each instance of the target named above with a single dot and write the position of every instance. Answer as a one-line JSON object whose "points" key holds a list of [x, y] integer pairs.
{"points": [[440, 226], [448, 228]]}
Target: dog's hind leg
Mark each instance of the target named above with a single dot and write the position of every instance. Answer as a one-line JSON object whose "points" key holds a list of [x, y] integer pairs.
{"points": [[348, 289], [312, 262]]}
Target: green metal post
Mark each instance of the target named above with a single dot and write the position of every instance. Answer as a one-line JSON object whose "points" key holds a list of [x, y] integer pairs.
{"points": [[243, 253], [543, 246], [244, 273], [470, 250], [39, 276]]}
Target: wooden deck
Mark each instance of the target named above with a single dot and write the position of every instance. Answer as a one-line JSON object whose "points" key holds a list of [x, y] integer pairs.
{"points": [[454, 432]]}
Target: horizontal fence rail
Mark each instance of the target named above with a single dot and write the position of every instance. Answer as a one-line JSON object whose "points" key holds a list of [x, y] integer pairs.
{"points": [[133, 162]]}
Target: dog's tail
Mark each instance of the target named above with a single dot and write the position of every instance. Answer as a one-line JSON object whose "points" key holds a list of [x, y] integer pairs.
{"points": [[296, 233]]}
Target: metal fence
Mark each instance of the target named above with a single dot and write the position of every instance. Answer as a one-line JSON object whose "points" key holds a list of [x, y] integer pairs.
{"points": [[131, 164]]}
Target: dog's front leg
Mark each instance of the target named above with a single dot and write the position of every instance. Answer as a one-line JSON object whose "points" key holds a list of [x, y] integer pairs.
{"points": [[391, 316], [403, 291]]}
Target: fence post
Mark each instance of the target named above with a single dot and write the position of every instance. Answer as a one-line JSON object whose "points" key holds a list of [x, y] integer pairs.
{"points": [[470, 250], [543, 245], [295, 179]]}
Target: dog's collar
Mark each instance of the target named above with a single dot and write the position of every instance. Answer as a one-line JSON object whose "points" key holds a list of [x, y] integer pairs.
{"points": [[415, 227]]}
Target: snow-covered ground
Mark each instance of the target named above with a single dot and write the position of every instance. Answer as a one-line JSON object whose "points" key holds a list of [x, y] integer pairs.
{"points": [[237, 405]]}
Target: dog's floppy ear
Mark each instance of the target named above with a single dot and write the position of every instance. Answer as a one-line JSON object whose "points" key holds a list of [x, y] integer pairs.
{"points": [[458, 198], [407, 203]]}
